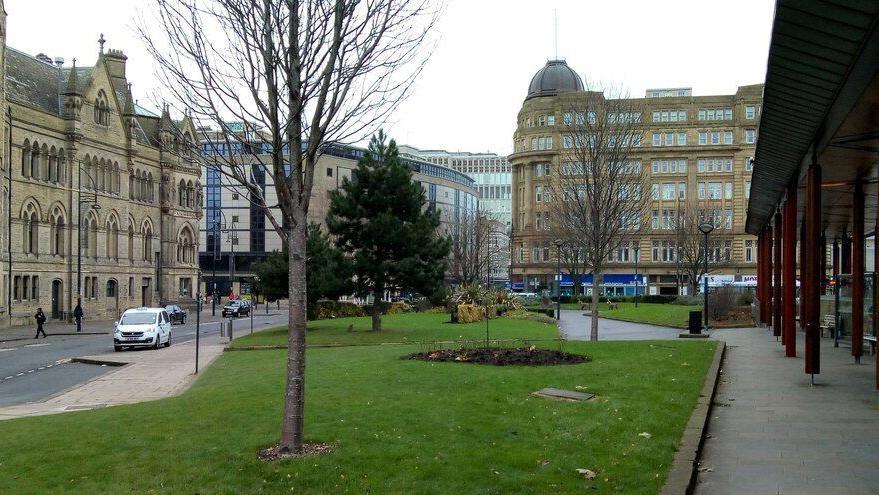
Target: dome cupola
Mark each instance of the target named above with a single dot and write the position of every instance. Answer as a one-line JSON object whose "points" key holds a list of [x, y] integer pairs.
{"points": [[554, 78]]}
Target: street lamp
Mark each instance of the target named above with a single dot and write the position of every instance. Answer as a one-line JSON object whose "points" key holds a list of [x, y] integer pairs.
{"points": [[637, 278], [558, 278], [90, 199], [706, 228]]}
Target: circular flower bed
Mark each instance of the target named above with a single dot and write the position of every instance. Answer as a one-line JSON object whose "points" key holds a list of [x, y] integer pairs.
{"points": [[521, 356]]}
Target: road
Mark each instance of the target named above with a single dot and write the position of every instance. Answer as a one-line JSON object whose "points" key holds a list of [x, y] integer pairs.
{"points": [[33, 370]]}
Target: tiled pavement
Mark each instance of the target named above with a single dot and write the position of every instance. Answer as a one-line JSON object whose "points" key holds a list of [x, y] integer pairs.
{"points": [[149, 375], [775, 433], [574, 325]]}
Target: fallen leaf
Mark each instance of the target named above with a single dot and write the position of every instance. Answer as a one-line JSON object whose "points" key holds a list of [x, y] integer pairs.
{"points": [[586, 473]]}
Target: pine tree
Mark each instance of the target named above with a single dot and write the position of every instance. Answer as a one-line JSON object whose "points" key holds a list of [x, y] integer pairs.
{"points": [[381, 217]]}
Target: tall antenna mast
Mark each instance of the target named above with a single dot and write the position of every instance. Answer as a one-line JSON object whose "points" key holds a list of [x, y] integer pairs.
{"points": [[555, 13]]}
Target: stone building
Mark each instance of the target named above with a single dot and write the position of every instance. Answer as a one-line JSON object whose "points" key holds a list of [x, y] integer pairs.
{"points": [[235, 233], [92, 180], [696, 149]]}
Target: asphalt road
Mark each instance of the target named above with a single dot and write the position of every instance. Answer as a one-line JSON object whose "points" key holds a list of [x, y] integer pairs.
{"points": [[33, 370]]}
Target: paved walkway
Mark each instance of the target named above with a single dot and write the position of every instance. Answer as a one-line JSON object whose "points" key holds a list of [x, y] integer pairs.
{"points": [[774, 433], [574, 325], [148, 375]]}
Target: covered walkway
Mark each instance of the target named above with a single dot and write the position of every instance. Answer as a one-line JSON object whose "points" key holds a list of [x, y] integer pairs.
{"points": [[772, 432]]}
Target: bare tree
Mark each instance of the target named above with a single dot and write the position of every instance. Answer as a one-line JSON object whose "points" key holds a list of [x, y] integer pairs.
{"points": [[297, 74], [474, 247], [573, 261], [601, 194], [690, 241]]}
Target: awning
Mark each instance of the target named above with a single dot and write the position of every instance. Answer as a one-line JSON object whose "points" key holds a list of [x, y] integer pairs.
{"points": [[823, 58]]}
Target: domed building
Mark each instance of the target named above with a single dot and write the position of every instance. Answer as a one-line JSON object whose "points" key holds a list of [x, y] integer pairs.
{"points": [[696, 150]]}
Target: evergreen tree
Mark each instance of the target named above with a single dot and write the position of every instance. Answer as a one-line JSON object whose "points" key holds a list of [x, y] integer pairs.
{"points": [[380, 217], [328, 273]]}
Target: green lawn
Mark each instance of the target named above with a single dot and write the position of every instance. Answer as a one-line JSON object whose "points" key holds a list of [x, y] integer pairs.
{"points": [[400, 427], [667, 315], [405, 327]]}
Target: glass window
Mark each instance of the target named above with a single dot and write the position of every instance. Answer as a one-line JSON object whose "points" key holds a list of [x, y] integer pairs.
{"points": [[656, 116], [714, 190], [727, 190], [550, 120], [703, 138], [715, 138], [747, 189], [750, 112], [727, 137], [750, 136], [668, 192], [701, 190], [567, 118], [656, 139], [669, 139], [682, 138]]}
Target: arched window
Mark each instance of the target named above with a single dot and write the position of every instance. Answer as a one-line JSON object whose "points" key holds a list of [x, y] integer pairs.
{"points": [[116, 177], [35, 161], [185, 246], [60, 164], [130, 242], [44, 163], [31, 221], [93, 174], [113, 238], [93, 236], [102, 109], [190, 194], [111, 288], [52, 169], [131, 183], [56, 236], [150, 195], [101, 176], [147, 232], [181, 193], [26, 159]]}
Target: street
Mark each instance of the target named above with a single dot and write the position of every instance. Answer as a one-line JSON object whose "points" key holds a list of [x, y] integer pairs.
{"points": [[33, 370]]}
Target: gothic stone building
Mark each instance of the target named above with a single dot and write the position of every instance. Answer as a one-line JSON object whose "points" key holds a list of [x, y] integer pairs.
{"points": [[92, 178]]}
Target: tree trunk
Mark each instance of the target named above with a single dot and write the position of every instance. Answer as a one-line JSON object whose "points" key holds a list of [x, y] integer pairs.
{"points": [[294, 397], [594, 318], [377, 309]]}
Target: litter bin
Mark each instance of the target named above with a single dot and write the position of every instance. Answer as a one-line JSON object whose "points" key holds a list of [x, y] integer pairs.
{"points": [[695, 325]]}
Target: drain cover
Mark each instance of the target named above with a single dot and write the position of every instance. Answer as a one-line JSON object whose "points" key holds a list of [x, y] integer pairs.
{"points": [[559, 394]]}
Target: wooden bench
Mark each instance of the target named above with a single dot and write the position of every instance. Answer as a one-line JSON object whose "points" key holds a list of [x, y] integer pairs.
{"points": [[871, 339], [828, 325]]}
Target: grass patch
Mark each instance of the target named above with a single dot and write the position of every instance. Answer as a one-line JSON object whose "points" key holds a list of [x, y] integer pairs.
{"points": [[405, 327], [667, 315], [399, 427]]}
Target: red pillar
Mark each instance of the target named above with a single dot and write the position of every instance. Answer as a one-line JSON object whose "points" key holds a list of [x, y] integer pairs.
{"points": [[875, 292], [768, 268], [803, 289], [776, 279], [857, 261], [789, 273], [762, 278], [811, 265]]}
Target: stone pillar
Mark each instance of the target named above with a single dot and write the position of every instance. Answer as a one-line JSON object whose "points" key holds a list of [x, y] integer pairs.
{"points": [[857, 271], [789, 274]]}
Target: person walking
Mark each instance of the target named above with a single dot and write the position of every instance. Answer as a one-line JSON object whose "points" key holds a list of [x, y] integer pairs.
{"points": [[41, 318], [77, 315]]}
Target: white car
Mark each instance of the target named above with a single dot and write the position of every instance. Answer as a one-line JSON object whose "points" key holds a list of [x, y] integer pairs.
{"points": [[142, 327]]}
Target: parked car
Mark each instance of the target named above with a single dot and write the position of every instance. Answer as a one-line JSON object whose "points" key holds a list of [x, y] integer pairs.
{"points": [[236, 308], [142, 327], [176, 314]]}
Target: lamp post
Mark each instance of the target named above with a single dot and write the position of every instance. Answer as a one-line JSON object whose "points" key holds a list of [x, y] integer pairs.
{"points": [[90, 199], [558, 278], [706, 228], [637, 278]]}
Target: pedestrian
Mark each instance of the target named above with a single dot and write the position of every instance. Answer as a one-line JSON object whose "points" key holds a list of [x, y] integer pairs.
{"points": [[77, 315], [41, 318]]}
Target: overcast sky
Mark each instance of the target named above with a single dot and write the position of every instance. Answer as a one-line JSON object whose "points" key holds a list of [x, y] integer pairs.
{"points": [[469, 94]]}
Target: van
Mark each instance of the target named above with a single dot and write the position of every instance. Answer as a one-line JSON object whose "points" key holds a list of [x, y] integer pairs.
{"points": [[142, 327]]}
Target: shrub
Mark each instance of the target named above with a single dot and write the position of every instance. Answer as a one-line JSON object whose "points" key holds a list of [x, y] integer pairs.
{"points": [[656, 299], [746, 298], [721, 302], [519, 314], [421, 304], [687, 300], [323, 310], [468, 313], [395, 308], [437, 310]]}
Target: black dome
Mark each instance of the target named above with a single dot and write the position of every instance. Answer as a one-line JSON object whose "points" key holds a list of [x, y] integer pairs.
{"points": [[554, 78]]}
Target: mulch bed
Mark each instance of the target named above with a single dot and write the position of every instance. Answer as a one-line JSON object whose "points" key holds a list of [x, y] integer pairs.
{"points": [[309, 449], [521, 356]]}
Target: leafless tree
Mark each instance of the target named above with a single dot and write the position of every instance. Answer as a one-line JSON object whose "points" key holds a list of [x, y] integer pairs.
{"points": [[296, 74], [690, 241], [474, 249], [600, 195], [573, 262]]}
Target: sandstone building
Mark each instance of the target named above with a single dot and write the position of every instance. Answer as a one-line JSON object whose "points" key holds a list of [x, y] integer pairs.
{"points": [[81, 160], [696, 149]]}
